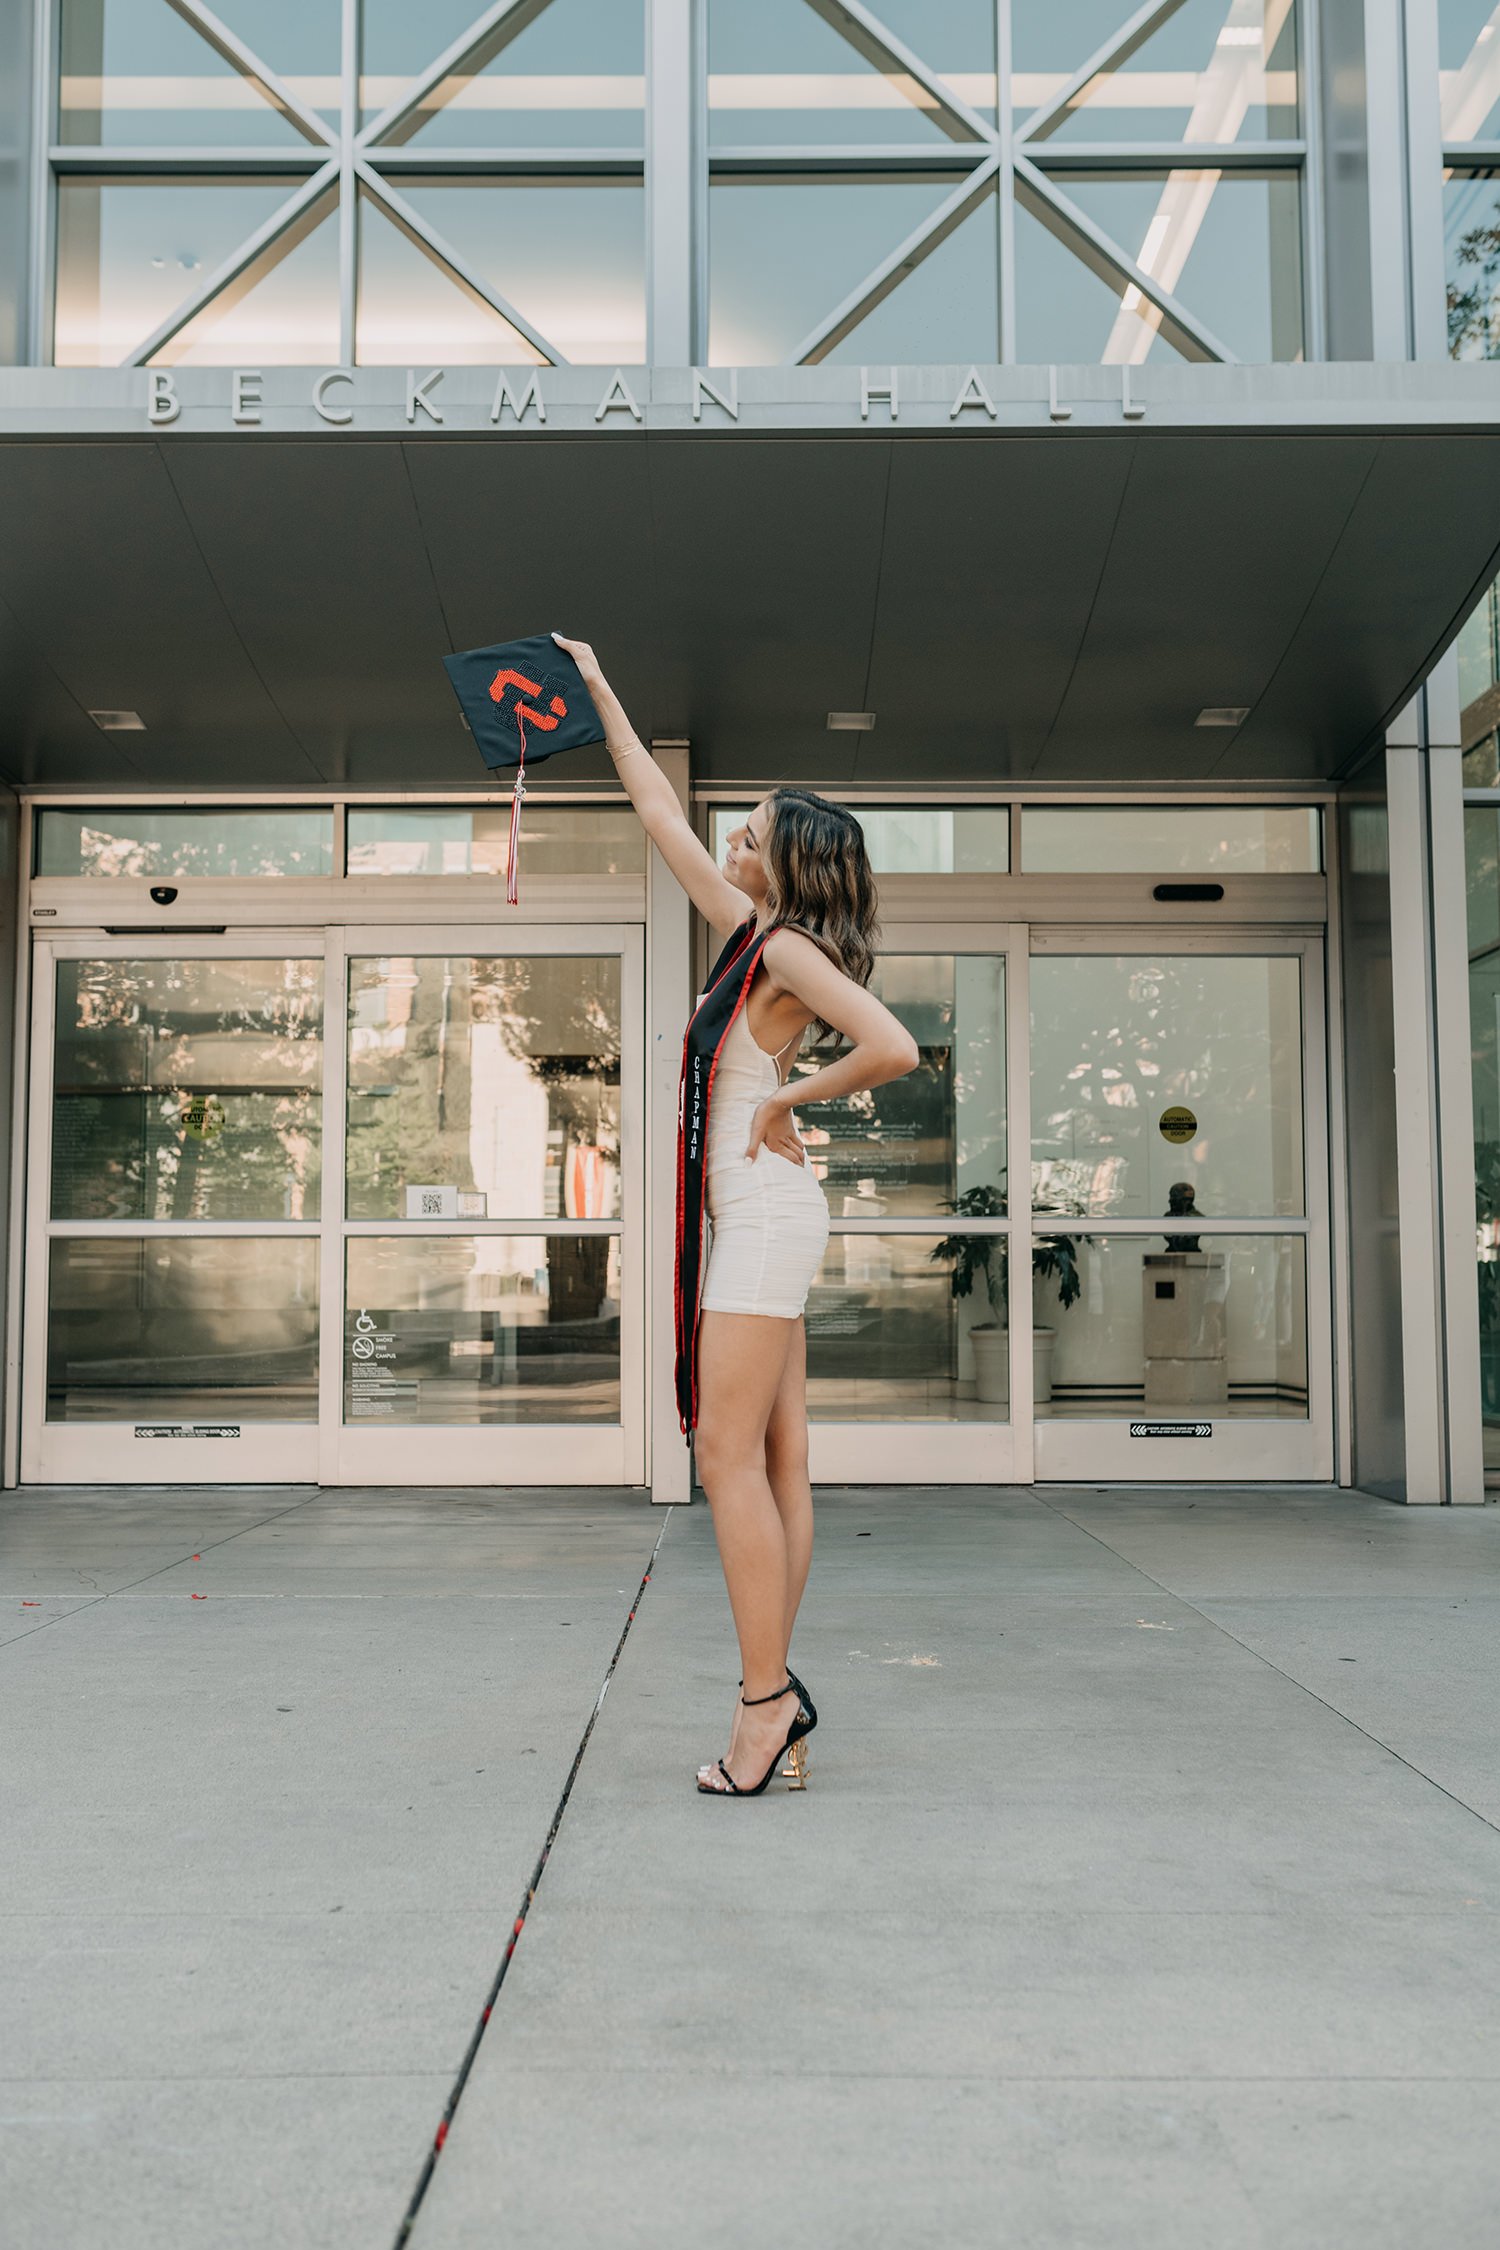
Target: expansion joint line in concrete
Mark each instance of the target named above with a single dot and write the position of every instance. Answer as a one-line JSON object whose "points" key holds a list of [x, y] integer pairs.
{"points": [[1218, 1626], [455, 2096]]}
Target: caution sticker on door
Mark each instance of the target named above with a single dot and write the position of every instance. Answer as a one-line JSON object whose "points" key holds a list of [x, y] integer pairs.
{"points": [[1177, 1124], [1171, 1429]]}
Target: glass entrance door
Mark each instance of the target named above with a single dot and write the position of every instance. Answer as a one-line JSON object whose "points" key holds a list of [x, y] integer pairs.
{"points": [[1179, 1209], [338, 1207]]}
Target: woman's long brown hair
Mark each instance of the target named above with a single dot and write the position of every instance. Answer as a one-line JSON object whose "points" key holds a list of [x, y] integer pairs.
{"points": [[819, 880]]}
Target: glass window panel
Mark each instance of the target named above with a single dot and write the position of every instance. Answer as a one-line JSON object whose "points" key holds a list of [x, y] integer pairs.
{"points": [[1072, 308], [1482, 853], [1171, 840], [887, 1341], [1155, 1073], [573, 78], [129, 252], [1482, 764], [283, 311], [1216, 70], [915, 839], [299, 39], [1218, 1332], [955, 38], [936, 1137], [138, 840], [410, 305], [497, 1080], [1471, 239], [779, 75], [783, 254], [475, 839], [1479, 671], [398, 41], [1482, 841], [183, 1328], [187, 1090], [570, 255], [132, 73], [1226, 245], [482, 1331], [1469, 69], [947, 308], [1049, 43]]}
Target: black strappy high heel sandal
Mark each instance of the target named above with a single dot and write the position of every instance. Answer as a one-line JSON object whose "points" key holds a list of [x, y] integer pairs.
{"points": [[796, 1769], [793, 1744]]}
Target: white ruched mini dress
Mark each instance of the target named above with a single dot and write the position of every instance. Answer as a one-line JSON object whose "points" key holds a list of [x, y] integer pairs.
{"points": [[768, 1214]]}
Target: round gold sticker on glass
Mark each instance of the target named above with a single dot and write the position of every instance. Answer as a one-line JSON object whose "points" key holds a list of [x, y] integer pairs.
{"points": [[202, 1117], [1177, 1124]]}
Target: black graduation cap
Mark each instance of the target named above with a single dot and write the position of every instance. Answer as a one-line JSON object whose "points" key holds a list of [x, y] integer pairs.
{"points": [[523, 700]]}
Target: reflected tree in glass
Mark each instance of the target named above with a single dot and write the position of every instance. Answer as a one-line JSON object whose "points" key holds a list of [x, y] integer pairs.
{"points": [[187, 1090]]}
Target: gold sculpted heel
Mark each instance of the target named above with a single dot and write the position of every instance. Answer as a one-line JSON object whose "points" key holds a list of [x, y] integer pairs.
{"points": [[795, 1771]]}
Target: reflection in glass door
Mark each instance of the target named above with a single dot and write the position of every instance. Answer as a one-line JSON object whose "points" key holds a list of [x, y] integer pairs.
{"points": [[172, 1315], [908, 1324], [421, 1266], [486, 1259], [1179, 1085]]}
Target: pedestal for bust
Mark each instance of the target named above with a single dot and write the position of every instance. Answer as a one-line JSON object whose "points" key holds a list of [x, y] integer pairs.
{"points": [[1182, 1326]]}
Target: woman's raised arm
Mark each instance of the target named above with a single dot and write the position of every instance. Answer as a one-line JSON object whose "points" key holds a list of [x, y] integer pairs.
{"points": [[655, 800]]}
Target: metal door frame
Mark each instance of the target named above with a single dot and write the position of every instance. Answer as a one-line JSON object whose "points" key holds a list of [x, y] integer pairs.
{"points": [[1240, 1450], [324, 1451]]}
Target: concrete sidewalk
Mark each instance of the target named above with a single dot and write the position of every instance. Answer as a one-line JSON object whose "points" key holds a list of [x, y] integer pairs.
{"points": [[1145, 1891]]}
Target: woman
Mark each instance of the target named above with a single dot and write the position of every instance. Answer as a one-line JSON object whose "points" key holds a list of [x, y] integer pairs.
{"points": [[796, 903]]}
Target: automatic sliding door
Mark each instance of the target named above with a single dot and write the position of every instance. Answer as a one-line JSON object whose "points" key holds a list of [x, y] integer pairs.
{"points": [[1179, 1211], [172, 1318], [908, 1324], [487, 1261]]}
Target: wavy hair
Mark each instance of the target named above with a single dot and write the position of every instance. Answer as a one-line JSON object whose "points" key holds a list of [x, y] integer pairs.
{"points": [[819, 881]]}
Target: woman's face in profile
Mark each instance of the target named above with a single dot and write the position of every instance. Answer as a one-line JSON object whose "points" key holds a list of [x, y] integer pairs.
{"points": [[744, 865]]}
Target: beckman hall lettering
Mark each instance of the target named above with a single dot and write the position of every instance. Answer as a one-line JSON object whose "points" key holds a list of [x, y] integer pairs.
{"points": [[339, 396]]}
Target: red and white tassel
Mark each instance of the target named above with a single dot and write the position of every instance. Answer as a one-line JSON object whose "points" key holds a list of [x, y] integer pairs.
{"points": [[517, 798]]}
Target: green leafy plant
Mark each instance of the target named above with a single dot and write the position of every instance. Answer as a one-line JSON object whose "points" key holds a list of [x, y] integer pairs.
{"points": [[975, 1258]]}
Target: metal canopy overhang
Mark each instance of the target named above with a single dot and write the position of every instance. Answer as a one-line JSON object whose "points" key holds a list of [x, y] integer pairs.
{"points": [[1029, 575]]}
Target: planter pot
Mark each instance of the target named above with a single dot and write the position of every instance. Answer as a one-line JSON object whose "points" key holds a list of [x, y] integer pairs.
{"points": [[991, 1346]]}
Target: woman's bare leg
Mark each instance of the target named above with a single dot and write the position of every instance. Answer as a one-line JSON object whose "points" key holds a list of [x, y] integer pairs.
{"points": [[786, 1468], [741, 1360]]}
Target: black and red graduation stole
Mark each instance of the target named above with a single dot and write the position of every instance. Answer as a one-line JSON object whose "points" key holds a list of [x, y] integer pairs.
{"points": [[727, 990]]}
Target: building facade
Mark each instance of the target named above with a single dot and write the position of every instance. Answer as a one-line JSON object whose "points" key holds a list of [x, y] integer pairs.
{"points": [[1066, 434]]}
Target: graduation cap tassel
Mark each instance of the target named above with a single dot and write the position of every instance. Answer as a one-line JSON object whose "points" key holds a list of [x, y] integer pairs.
{"points": [[517, 797]]}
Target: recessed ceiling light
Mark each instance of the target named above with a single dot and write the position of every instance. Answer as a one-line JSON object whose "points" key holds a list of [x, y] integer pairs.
{"points": [[850, 722], [1222, 715], [119, 722]]}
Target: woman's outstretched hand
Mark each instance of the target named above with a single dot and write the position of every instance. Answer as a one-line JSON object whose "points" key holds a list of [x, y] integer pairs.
{"points": [[774, 1127], [584, 657]]}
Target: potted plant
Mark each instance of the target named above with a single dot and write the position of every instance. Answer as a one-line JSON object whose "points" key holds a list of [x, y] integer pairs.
{"points": [[984, 1258]]}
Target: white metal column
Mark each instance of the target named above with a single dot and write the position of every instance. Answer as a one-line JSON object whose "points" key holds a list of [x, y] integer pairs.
{"points": [[1434, 1126], [669, 995], [671, 107]]}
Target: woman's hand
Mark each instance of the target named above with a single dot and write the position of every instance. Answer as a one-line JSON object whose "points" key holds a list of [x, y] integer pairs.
{"points": [[584, 657], [774, 1127]]}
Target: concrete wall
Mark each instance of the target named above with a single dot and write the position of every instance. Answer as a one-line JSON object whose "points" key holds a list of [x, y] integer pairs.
{"points": [[1374, 1280]]}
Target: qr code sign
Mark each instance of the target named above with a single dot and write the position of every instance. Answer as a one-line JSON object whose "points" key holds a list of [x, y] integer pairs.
{"points": [[432, 1203]]}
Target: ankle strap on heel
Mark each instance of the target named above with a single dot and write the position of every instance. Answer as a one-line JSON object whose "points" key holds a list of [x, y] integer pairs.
{"points": [[750, 1701]]}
